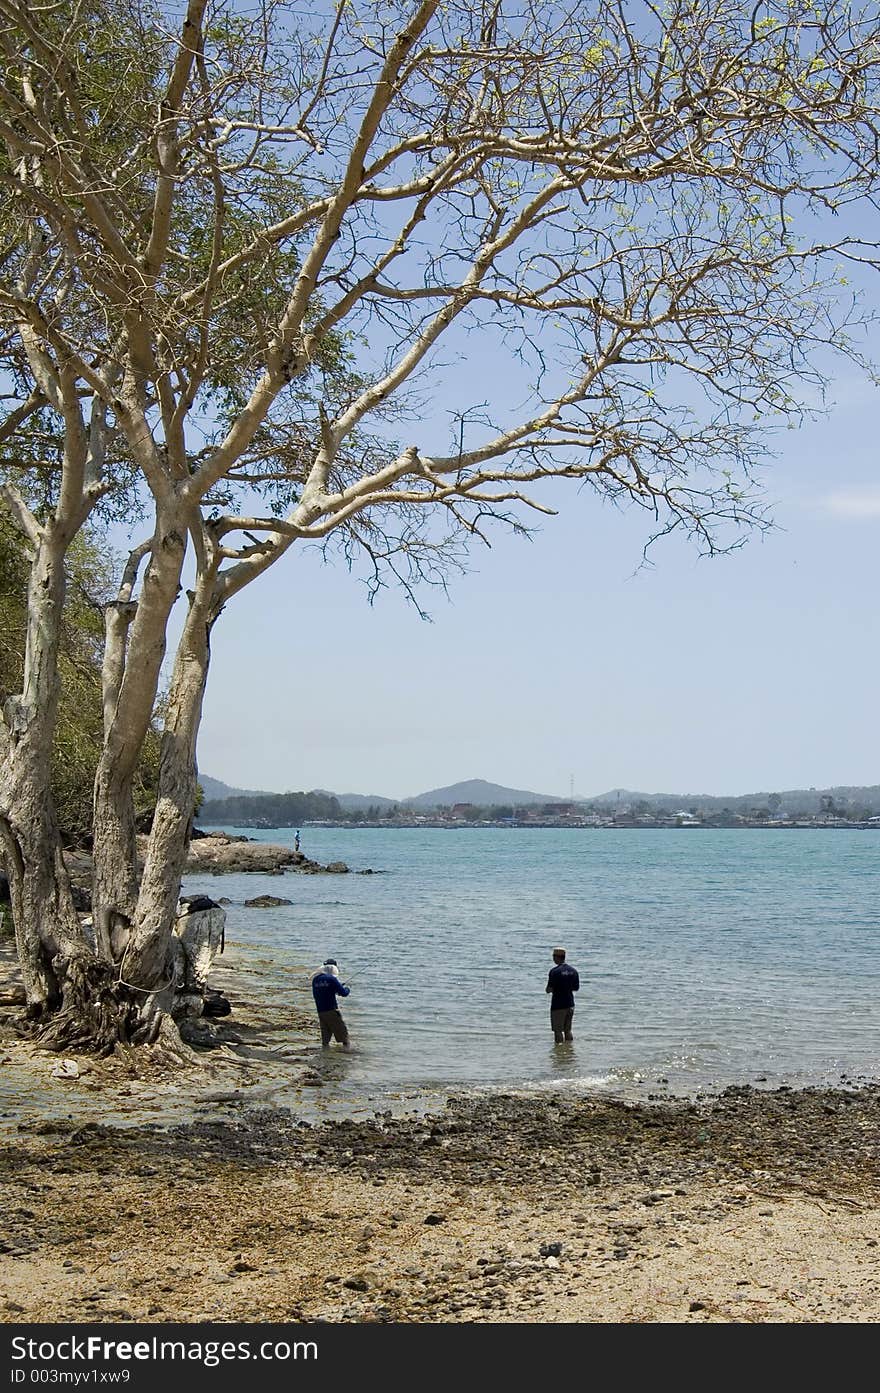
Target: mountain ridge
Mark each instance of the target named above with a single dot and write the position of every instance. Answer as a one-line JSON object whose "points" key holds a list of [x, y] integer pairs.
{"points": [[485, 794], [477, 791]]}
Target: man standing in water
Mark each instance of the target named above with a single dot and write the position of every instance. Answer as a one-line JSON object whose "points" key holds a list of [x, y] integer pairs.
{"points": [[326, 986], [562, 983]]}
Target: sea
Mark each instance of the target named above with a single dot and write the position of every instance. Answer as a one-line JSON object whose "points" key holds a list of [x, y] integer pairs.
{"points": [[707, 958]]}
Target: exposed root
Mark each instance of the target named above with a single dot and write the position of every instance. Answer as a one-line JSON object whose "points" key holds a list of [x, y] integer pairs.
{"points": [[97, 1011], [103, 1016], [168, 1049]]}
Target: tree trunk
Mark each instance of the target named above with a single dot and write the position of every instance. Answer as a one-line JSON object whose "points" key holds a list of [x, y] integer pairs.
{"points": [[48, 933], [132, 666], [77, 998], [147, 959]]}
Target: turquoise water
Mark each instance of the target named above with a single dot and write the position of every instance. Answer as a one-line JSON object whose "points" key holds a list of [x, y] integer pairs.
{"points": [[706, 958]]}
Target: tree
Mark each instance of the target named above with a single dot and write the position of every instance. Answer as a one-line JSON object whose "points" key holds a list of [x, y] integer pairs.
{"points": [[78, 731], [237, 246]]}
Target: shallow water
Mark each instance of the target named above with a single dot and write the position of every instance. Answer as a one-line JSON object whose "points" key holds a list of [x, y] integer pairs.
{"points": [[706, 958]]}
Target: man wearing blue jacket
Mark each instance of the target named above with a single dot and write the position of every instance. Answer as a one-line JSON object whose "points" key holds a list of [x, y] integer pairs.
{"points": [[326, 986], [562, 983]]}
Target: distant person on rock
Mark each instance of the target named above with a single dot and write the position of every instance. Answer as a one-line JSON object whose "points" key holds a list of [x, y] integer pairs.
{"points": [[296, 842], [326, 986], [562, 983]]}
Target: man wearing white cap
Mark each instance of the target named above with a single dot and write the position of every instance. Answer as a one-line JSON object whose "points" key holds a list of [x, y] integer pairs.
{"points": [[326, 986]]}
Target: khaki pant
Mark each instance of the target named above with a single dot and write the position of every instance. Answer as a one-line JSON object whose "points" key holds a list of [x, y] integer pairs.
{"points": [[333, 1027], [561, 1024]]}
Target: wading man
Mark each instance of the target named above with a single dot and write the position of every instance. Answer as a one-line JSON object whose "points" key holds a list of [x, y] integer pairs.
{"points": [[326, 986], [562, 983]]}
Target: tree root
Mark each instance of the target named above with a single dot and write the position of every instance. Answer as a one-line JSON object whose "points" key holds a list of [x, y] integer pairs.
{"points": [[169, 1049], [101, 1015]]}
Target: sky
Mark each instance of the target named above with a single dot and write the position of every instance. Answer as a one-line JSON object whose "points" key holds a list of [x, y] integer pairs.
{"points": [[560, 663]]}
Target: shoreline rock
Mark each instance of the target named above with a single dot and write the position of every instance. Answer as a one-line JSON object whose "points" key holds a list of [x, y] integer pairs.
{"points": [[212, 853], [218, 853]]}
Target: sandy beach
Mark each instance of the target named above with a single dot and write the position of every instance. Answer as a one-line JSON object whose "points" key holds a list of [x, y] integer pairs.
{"points": [[748, 1207]]}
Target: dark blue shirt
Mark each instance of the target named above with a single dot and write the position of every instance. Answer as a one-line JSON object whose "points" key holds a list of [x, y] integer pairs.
{"points": [[563, 982], [325, 989]]}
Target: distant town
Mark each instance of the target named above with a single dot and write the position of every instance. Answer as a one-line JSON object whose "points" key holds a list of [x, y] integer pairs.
{"points": [[572, 815], [852, 807], [576, 815]]}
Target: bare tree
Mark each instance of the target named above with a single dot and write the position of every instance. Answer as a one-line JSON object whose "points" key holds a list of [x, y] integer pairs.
{"points": [[254, 241]]}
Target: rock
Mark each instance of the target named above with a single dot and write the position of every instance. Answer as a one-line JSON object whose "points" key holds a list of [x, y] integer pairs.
{"points": [[435, 1219], [337, 868], [216, 1004], [82, 898], [65, 1069], [697, 1306], [199, 934], [357, 1283], [219, 853], [266, 902], [187, 1008], [194, 904], [550, 1250]]}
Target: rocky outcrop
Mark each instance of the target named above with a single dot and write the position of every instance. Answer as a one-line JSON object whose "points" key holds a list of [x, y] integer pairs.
{"points": [[218, 853], [211, 853]]}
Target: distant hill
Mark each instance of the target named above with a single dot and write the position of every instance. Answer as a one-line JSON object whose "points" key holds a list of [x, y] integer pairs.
{"points": [[215, 788], [483, 794], [479, 792], [354, 802], [793, 800]]}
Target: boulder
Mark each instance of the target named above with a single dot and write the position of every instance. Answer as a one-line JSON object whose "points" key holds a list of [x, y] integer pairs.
{"points": [[199, 935], [216, 1004], [221, 854]]}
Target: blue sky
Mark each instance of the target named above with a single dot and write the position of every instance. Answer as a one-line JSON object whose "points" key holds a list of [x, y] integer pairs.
{"points": [[559, 659], [562, 661]]}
